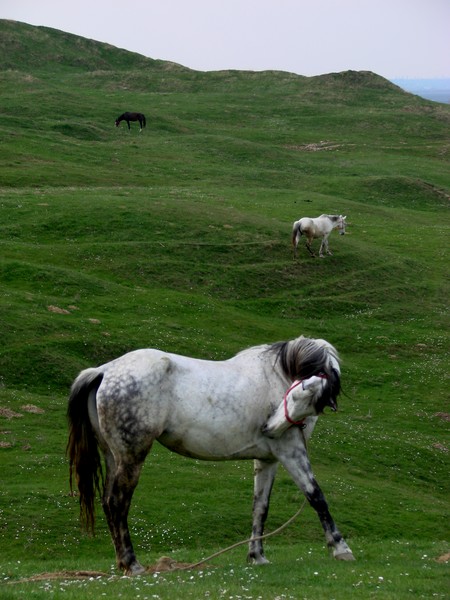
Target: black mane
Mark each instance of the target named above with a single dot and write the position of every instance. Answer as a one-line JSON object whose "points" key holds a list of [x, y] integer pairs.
{"points": [[304, 357]]}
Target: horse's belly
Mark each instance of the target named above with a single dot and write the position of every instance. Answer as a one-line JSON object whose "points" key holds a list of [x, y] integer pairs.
{"points": [[212, 446], [214, 411]]}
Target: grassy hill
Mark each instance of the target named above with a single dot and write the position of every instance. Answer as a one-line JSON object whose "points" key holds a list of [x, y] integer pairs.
{"points": [[179, 237]]}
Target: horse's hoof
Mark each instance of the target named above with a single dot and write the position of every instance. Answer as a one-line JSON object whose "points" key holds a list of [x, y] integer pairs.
{"points": [[134, 569], [257, 560], [344, 556], [261, 561]]}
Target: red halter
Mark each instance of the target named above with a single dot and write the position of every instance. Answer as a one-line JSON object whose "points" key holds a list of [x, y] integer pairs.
{"points": [[300, 423]]}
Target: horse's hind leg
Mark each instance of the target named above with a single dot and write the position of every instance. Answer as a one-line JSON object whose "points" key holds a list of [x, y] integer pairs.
{"points": [[264, 476], [308, 246], [108, 494], [121, 482], [295, 241]]}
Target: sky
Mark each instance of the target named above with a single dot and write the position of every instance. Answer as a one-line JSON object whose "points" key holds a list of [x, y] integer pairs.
{"points": [[393, 38]]}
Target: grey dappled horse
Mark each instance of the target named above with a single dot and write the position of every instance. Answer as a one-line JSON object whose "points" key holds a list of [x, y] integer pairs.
{"points": [[252, 406]]}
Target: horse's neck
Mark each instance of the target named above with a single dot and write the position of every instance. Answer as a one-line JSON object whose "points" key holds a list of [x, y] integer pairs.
{"points": [[334, 223], [259, 362], [326, 224], [332, 220]]}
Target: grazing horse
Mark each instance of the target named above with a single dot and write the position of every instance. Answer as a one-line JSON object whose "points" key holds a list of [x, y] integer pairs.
{"points": [[132, 116], [314, 228], [261, 404]]}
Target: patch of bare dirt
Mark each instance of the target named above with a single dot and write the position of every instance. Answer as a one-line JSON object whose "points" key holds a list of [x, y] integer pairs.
{"points": [[62, 575], [7, 413], [58, 310], [164, 563], [440, 447], [31, 408], [444, 558], [316, 147], [442, 415]]}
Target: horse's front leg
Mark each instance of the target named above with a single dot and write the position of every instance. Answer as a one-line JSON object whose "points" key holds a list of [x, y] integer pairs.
{"points": [[321, 248], [264, 475], [324, 246], [292, 454]]}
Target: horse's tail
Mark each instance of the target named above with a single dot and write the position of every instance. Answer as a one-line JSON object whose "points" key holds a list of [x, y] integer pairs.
{"points": [[296, 231], [144, 121], [82, 447]]}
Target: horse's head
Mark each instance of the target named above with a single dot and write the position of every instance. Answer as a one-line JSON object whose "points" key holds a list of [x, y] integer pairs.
{"points": [[341, 224], [117, 122], [305, 398], [298, 403], [313, 365]]}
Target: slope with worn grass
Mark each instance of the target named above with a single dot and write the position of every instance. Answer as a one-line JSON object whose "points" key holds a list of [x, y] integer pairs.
{"points": [[179, 238]]}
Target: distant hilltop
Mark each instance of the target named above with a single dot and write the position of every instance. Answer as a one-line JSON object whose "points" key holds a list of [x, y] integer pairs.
{"points": [[29, 48]]}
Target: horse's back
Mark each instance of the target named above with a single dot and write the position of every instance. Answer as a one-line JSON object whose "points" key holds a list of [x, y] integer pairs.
{"points": [[147, 365], [135, 116], [150, 375]]}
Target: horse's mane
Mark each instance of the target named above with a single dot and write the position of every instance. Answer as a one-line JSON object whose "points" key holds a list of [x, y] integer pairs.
{"points": [[304, 357]]}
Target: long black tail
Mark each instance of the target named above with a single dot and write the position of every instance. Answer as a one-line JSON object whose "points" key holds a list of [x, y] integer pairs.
{"points": [[144, 122], [82, 447]]}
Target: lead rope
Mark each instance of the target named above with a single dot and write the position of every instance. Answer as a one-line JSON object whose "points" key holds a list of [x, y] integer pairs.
{"points": [[260, 537]]}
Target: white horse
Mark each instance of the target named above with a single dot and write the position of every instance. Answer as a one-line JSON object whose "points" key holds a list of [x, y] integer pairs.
{"points": [[315, 228], [252, 406]]}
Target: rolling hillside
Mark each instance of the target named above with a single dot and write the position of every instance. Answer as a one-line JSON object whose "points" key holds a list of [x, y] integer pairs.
{"points": [[179, 237]]}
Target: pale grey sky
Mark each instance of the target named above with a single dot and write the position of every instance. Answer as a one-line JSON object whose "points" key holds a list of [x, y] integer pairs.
{"points": [[394, 38]]}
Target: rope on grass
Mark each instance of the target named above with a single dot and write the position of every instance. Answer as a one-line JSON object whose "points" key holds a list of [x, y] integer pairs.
{"points": [[260, 537]]}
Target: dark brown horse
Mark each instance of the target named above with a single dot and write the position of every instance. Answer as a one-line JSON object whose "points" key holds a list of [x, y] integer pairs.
{"points": [[131, 116]]}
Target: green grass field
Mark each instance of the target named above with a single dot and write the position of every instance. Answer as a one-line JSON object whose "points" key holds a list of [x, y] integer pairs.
{"points": [[179, 238]]}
